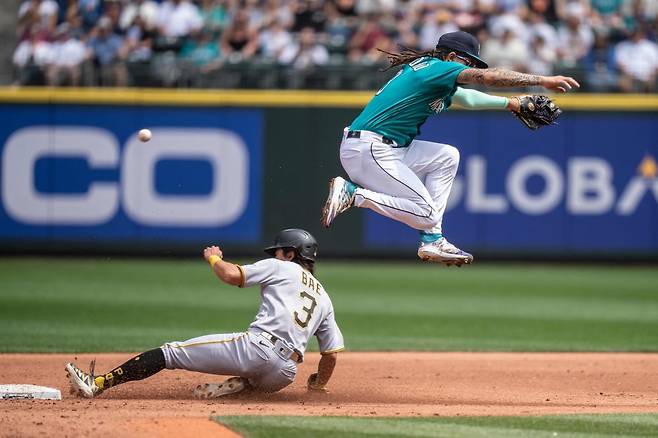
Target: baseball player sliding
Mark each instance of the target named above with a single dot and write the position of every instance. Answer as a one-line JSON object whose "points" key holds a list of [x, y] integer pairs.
{"points": [[409, 180], [294, 307]]}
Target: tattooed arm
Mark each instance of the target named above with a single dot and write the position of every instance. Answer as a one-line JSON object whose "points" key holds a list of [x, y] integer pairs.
{"points": [[497, 77]]}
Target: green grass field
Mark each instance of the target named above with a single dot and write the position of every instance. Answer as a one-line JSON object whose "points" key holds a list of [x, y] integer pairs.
{"points": [[75, 305], [572, 426]]}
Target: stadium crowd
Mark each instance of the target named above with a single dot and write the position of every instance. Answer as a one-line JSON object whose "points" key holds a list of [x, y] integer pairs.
{"points": [[610, 45]]}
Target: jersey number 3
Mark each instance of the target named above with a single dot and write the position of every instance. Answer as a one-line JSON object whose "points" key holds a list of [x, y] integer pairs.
{"points": [[307, 310]]}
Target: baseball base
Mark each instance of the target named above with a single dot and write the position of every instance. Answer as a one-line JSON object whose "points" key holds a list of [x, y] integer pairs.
{"points": [[22, 392]]}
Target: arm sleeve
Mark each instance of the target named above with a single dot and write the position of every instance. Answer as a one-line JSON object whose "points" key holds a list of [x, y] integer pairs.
{"points": [[473, 99], [330, 338], [262, 272]]}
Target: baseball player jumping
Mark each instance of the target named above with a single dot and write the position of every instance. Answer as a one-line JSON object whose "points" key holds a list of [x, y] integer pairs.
{"points": [[409, 180], [294, 307]]}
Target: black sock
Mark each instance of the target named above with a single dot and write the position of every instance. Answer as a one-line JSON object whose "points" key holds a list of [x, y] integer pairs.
{"points": [[139, 367]]}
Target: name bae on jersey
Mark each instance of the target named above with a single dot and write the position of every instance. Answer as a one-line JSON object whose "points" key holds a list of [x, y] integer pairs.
{"points": [[302, 318], [311, 283]]}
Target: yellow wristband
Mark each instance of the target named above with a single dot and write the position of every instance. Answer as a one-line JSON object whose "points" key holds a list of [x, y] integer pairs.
{"points": [[213, 259]]}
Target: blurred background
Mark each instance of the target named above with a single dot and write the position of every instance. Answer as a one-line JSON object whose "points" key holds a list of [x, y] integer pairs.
{"points": [[608, 45], [247, 101]]}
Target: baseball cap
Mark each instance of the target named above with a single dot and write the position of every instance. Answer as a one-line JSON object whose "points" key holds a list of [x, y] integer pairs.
{"points": [[464, 43]]}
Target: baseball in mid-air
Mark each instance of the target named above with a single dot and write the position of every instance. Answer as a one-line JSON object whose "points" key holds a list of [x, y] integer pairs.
{"points": [[144, 134]]}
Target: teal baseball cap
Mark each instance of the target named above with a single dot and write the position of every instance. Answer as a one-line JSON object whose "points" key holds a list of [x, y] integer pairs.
{"points": [[463, 43]]}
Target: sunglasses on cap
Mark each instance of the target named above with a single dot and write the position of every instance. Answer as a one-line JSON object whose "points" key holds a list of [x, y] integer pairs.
{"points": [[468, 62]]}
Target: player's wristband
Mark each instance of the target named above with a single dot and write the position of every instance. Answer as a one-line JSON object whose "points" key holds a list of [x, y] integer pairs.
{"points": [[212, 260]]}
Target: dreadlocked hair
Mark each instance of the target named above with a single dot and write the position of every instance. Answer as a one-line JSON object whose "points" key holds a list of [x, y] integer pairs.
{"points": [[408, 55]]}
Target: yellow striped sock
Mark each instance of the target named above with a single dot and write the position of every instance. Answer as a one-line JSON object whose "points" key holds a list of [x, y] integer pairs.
{"points": [[100, 382]]}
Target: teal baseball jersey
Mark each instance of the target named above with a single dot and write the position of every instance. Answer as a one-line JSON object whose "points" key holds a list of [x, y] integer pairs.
{"points": [[419, 89]]}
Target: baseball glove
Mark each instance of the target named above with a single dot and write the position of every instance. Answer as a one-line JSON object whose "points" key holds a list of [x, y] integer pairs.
{"points": [[536, 111]]}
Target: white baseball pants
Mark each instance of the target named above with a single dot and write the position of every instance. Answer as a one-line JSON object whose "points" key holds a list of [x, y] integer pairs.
{"points": [[410, 185], [247, 355]]}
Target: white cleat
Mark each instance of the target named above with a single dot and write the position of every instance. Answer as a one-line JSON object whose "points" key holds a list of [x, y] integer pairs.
{"points": [[442, 251], [338, 201], [82, 383], [231, 385]]}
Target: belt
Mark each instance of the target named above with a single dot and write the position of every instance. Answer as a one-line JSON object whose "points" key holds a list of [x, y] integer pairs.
{"points": [[384, 139], [295, 356]]}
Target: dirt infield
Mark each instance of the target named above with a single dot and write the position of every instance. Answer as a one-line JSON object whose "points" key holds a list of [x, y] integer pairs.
{"points": [[364, 384]]}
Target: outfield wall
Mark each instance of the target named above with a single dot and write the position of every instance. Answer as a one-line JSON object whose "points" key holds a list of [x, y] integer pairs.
{"points": [[235, 167]]}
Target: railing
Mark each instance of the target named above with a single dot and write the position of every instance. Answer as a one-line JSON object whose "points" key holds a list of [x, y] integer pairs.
{"points": [[165, 70]]}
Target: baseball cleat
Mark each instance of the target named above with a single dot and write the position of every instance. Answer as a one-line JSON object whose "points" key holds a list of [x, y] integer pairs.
{"points": [[341, 197], [82, 383], [231, 385], [442, 251]]}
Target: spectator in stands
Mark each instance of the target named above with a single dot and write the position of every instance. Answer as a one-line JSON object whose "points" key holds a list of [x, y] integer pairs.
{"points": [[435, 24], [544, 8], [277, 10], [274, 39], [306, 53], [543, 56], [472, 15], [342, 8], [146, 10], [542, 44], [600, 65], [90, 11], [606, 16], [637, 60], [308, 13], [67, 57], [73, 18], [215, 15], [138, 46], [239, 42], [641, 10], [570, 8], [342, 20], [575, 39], [539, 27], [202, 51], [405, 35], [254, 12], [509, 6], [498, 24], [364, 43], [508, 51], [112, 10], [106, 48], [42, 13], [369, 7], [31, 57], [178, 18]]}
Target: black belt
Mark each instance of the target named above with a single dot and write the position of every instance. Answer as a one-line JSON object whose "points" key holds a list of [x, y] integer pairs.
{"points": [[270, 337], [357, 134]]}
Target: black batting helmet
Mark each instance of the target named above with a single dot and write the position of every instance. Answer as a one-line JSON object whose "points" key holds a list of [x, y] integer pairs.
{"points": [[301, 241]]}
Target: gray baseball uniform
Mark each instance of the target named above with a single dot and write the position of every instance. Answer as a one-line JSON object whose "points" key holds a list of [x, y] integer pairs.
{"points": [[294, 307]]}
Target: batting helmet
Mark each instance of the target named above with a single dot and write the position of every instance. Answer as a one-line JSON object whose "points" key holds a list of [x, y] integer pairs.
{"points": [[301, 241]]}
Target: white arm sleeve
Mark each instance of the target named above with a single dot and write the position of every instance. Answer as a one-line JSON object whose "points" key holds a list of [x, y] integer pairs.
{"points": [[473, 99]]}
